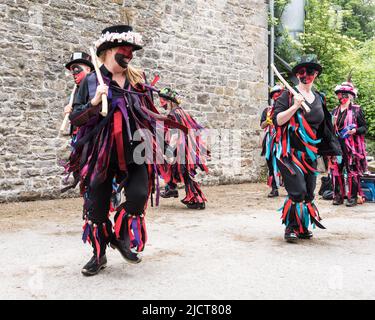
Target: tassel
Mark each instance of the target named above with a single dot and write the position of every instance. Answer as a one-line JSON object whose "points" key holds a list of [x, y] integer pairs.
{"points": [[118, 223], [314, 215], [86, 232], [96, 240]]}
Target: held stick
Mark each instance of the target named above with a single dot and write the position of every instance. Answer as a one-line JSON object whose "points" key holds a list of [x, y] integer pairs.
{"points": [[289, 87], [104, 111], [66, 118]]}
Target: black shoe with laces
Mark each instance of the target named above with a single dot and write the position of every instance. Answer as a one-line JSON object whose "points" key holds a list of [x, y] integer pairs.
{"points": [[337, 201], [290, 235], [307, 234], [169, 193], [196, 205], [352, 202], [126, 253], [274, 193], [94, 266]]}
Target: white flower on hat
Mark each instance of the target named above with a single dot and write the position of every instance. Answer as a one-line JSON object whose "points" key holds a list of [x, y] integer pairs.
{"points": [[130, 37]]}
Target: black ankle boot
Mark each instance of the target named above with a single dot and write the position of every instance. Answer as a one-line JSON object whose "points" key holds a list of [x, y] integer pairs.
{"points": [[307, 234], [290, 235], [274, 193], [169, 193], [94, 266], [123, 247], [196, 205], [352, 202], [337, 201]]}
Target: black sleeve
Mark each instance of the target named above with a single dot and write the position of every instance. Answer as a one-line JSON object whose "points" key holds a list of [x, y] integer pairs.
{"points": [[263, 116], [82, 108], [281, 105], [361, 122]]}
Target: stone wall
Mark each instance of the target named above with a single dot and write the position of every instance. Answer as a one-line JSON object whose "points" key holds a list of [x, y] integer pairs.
{"points": [[214, 52]]}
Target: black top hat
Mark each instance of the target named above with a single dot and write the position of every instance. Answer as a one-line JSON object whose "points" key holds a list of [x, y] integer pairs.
{"points": [[80, 57], [117, 36], [309, 60]]}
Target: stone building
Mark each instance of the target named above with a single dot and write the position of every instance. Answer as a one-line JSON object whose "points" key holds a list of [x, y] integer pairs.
{"points": [[214, 52]]}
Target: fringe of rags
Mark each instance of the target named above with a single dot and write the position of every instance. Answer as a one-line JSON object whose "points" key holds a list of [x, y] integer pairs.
{"points": [[302, 212], [193, 151]]}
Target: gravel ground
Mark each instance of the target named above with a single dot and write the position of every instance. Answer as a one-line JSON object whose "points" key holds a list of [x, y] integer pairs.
{"points": [[232, 250]]}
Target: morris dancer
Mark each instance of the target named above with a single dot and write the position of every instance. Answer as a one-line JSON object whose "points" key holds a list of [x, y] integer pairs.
{"points": [[350, 128], [111, 147], [190, 153], [268, 143], [300, 137], [80, 66]]}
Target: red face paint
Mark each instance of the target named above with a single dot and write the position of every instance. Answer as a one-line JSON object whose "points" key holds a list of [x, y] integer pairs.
{"points": [[276, 95], [123, 56], [163, 103], [343, 98], [78, 73], [306, 75], [126, 51]]}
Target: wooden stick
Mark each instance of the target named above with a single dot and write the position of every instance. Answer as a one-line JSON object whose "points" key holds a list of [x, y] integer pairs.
{"points": [[66, 118], [289, 87], [95, 61]]}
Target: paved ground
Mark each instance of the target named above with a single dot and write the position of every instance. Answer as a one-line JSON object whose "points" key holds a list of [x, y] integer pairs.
{"points": [[233, 250]]}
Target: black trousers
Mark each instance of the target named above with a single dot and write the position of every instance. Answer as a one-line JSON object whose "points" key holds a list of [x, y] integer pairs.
{"points": [[136, 192], [300, 187], [353, 180], [271, 174]]}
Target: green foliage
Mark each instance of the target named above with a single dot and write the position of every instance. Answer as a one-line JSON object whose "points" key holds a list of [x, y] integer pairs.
{"points": [[323, 37], [358, 18], [363, 61], [370, 147]]}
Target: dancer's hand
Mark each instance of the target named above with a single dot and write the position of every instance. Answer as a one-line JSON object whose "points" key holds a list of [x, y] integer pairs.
{"points": [[68, 109], [100, 90], [298, 100], [353, 131]]}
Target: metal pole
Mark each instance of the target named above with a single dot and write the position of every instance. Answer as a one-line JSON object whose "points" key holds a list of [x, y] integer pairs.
{"points": [[272, 44]]}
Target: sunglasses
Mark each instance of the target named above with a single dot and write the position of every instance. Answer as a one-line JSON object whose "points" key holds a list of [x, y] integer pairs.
{"points": [[308, 71]]}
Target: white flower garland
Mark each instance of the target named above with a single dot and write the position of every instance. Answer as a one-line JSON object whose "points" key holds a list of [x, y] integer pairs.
{"points": [[131, 37]]}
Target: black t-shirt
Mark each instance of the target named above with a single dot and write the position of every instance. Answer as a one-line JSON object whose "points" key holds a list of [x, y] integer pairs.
{"points": [[315, 117]]}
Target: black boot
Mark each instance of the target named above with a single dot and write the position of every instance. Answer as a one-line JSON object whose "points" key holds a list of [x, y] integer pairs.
{"points": [[352, 202], [94, 266], [307, 234], [169, 193], [337, 201], [196, 205], [123, 247], [274, 193], [290, 235]]}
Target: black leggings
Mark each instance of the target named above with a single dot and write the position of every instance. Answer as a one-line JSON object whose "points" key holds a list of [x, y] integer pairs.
{"points": [[136, 193], [271, 174], [300, 187]]}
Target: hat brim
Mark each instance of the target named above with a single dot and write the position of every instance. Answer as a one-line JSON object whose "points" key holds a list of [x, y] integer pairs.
{"points": [[109, 45], [346, 91], [316, 66], [80, 61], [166, 97]]}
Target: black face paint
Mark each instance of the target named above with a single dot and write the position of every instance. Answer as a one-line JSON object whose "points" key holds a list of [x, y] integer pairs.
{"points": [[120, 59], [76, 69]]}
